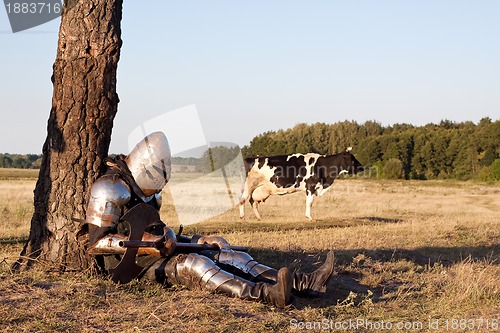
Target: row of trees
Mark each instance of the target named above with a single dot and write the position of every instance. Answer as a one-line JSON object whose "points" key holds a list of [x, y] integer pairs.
{"points": [[26, 161], [211, 160], [435, 151]]}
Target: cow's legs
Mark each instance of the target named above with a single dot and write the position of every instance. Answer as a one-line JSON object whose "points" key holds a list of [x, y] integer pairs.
{"points": [[309, 201], [255, 207], [243, 198], [246, 193], [242, 210]]}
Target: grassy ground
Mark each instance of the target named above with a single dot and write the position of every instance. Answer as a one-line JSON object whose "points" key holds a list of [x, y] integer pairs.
{"points": [[11, 173], [419, 256]]}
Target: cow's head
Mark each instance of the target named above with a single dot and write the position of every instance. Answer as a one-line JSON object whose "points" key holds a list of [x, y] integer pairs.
{"points": [[349, 163]]}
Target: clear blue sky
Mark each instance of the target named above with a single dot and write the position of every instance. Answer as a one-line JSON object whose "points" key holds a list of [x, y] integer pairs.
{"points": [[253, 66]]}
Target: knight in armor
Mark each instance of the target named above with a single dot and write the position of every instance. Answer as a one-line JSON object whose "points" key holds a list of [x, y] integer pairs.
{"points": [[139, 179]]}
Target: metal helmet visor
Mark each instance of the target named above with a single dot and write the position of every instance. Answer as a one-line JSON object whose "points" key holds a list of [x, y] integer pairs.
{"points": [[149, 163]]}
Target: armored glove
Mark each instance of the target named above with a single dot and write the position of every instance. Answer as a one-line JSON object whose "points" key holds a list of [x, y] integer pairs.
{"points": [[215, 240]]}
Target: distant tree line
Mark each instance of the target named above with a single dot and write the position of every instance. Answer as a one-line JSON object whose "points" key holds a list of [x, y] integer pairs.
{"points": [[402, 151], [20, 161], [185, 161], [217, 157], [448, 150], [212, 159]]}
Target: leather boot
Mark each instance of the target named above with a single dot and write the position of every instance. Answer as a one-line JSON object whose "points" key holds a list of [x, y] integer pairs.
{"points": [[278, 294], [314, 284]]}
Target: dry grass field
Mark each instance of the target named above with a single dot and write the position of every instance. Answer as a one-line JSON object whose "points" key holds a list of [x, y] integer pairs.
{"points": [[410, 256]]}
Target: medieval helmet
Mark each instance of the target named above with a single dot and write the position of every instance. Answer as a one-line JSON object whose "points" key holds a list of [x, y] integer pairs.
{"points": [[149, 163]]}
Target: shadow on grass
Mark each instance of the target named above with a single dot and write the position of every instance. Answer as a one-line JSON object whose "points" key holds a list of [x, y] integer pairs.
{"points": [[13, 240], [379, 219], [216, 227], [347, 280]]}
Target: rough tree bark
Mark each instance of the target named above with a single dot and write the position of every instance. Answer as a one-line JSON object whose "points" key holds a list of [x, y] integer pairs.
{"points": [[84, 104]]}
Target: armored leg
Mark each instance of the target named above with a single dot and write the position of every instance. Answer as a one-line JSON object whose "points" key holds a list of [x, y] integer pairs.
{"points": [[199, 272], [312, 284], [244, 263]]}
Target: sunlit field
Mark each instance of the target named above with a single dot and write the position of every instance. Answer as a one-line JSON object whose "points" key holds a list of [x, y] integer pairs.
{"points": [[419, 256]]}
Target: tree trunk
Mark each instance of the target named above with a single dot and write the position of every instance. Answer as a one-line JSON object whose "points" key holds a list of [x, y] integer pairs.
{"points": [[84, 104]]}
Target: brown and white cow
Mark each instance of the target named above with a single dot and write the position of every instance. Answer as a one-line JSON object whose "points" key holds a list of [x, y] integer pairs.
{"points": [[312, 173]]}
